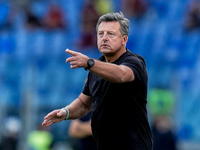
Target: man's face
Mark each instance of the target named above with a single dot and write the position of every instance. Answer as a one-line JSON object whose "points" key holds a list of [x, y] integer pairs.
{"points": [[109, 38]]}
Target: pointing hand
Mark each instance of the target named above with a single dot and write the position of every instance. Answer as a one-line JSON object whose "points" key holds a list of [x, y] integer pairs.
{"points": [[77, 60]]}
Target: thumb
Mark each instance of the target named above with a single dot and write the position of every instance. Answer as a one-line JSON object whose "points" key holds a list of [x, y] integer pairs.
{"points": [[60, 113]]}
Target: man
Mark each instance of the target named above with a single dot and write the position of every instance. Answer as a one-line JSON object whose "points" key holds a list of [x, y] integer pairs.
{"points": [[115, 90]]}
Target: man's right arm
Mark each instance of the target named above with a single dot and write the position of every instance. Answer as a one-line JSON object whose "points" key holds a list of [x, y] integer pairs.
{"points": [[80, 107], [77, 109]]}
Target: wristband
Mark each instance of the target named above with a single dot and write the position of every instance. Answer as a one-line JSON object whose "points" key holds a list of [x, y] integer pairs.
{"points": [[67, 112]]}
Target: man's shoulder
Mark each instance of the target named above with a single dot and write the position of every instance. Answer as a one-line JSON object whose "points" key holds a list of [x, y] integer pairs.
{"points": [[129, 53], [134, 57]]}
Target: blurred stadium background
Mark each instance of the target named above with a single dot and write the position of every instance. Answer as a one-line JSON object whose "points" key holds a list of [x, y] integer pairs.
{"points": [[34, 78]]}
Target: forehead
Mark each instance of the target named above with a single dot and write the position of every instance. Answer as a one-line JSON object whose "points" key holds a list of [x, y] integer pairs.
{"points": [[109, 26]]}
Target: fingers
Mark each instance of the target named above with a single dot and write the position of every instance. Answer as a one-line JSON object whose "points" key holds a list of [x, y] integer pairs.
{"points": [[77, 60], [49, 115], [73, 62], [47, 120], [74, 66], [47, 123], [71, 59], [50, 118], [73, 53]]}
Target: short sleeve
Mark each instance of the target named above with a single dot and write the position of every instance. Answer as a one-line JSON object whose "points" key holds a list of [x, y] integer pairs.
{"points": [[137, 65], [86, 117]]}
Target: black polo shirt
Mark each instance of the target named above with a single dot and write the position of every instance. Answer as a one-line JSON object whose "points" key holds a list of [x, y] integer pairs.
{"points": [[119, 114]]}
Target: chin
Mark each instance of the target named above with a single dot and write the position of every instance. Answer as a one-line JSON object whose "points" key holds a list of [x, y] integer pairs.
{"points": [[105, 50], [107, 54]]}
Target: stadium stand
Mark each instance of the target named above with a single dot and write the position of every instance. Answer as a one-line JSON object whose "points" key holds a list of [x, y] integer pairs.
{"points": [[35, 60]]}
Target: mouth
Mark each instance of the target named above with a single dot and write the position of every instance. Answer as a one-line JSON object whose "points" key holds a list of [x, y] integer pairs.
{"points": [[105, 45]]}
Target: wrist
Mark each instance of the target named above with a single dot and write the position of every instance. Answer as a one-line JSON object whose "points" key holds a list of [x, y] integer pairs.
{"points": [[90, 63], [67, 110]]}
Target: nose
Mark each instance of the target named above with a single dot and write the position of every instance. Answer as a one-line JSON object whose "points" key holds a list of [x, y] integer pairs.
{"points": [[105, 37]]}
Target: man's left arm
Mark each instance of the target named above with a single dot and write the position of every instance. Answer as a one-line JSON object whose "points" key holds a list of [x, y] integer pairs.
{"points": [[108, 71]]}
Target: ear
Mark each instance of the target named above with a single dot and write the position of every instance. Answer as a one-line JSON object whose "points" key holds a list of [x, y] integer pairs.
{"points": [[125, 39]]}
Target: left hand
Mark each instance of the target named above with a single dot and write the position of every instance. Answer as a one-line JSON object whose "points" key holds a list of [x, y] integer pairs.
{"points": [[77, 60], [54, 117]]}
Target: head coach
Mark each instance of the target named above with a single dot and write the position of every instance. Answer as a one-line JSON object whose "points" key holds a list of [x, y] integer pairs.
{"points": [[115, 90]]}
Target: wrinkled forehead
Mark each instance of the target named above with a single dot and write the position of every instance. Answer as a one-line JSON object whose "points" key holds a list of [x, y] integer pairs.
{"points": [[109, 26]]}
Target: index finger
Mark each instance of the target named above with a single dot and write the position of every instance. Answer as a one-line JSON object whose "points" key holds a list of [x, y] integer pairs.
{"points": [[73, 53]]}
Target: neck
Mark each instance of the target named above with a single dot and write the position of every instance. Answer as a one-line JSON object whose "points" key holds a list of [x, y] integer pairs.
{"points": [[112, 57]]}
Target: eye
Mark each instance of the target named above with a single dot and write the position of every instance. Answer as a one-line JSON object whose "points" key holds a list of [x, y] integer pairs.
{"points": [[100, 34], [111, 34]]}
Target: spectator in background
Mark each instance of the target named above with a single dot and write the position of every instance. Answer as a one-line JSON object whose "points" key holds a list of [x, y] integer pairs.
{"points": [[54, 18], [103, 6], [192, 20], [7, 14], [134, 8], [163, 136], [32, 22], [40, 139], [89, 17], [81, 130], [161, 105], [161, 101], [12, 130]]}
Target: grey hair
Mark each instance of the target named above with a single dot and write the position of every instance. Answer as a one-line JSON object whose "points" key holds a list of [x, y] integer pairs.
{"points": [[116, 17]]}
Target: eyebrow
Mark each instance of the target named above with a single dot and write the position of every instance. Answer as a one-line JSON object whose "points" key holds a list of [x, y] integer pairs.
{"points": [[107, 31]]}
